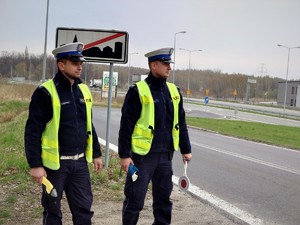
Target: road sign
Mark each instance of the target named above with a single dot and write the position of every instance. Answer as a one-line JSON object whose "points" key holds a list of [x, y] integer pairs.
{"points": [[206, 99], [252, 81], [188, 92], [99, 45], [105, 82]]}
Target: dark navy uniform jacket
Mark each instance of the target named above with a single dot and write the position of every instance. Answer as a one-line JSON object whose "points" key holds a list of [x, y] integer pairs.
{"points": [[162, 141], [72, 129]]}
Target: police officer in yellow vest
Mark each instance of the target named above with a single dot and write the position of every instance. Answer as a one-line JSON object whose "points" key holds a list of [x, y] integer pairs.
{"points": [[60, 138], [152, 127]]}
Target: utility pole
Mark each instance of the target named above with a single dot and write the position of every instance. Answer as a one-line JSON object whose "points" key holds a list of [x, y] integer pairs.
{"points": [[262, 71]]}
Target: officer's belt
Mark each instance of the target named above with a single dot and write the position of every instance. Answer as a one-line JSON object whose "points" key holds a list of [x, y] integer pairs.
{"points": [[72, 157]]}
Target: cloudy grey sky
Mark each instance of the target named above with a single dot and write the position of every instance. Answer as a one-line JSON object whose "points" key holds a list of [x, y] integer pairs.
{"points": [[235, 36]]}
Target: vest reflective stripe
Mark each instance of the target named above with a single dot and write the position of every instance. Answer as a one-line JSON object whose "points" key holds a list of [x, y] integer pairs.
{"points": [[175, 99], [50, 156], [142, 135], [88, 99], [50, 146]]}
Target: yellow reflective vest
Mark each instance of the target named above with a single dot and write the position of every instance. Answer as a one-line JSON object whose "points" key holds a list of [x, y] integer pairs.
{"points": [[50, 145], [143, 132]]}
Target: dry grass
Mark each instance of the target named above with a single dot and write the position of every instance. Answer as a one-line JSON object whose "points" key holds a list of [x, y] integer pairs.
{"points": [[22, 92], [16, 91]]}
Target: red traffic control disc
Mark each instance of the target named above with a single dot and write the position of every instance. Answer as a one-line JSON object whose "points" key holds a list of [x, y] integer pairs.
{"points": [[184, 181]]}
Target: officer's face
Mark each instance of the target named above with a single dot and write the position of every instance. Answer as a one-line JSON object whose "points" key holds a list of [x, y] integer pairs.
{"points": [[160, 69], [70, 69]]}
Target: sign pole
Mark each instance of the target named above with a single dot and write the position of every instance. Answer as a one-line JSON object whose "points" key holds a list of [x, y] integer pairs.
{"points": [[45, 46], [108, 115]]}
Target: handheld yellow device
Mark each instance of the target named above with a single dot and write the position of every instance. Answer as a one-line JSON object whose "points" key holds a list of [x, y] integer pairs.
{"points": [[49, 187]]}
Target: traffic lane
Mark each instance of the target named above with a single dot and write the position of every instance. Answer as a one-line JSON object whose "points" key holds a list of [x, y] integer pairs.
{"points": [[237, 114], [259, 152], [258, 189], [205, 114], [266, 153], [275, 155], [266, 109], [252, 117], [100, 123]]}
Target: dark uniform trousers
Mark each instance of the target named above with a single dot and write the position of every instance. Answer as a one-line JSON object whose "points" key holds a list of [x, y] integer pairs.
{"points": [[155, 167], [73, 177]]}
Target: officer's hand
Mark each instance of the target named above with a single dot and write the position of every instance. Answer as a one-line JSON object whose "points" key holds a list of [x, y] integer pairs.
{"points": [[124, 162], [97, 164], [38, 173], [186, 157]]}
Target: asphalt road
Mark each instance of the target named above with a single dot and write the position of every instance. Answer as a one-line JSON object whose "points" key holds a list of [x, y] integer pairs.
{"points": [[260, 179], [214, 112], [264, 109]]}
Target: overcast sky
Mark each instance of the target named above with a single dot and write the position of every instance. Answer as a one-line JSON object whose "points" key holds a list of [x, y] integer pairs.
{"points": [[235, 36]]}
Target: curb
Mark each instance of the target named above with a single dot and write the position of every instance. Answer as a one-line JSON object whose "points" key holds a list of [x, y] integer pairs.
{"points": [[230, 211]]}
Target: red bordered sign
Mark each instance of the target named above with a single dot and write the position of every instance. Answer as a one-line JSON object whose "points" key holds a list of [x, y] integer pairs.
{"points": [[105, 46]]}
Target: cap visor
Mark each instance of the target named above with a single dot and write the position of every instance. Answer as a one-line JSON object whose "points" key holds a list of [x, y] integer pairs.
{"points": [[167, 61], [77, 59]]}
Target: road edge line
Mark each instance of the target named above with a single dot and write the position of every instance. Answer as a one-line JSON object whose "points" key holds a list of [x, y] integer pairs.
{"points": [[225, 208]]}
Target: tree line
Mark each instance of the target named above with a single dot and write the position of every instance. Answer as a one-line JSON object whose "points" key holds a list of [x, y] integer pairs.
{"points": [[201, 82]]}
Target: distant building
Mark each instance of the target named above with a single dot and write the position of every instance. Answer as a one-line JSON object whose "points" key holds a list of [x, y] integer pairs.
{"points": [[138, 77], [292, 93]]}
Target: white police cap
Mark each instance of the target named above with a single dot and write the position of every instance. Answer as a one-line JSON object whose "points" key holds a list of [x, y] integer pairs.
{"points": [[71, 51], [162, 54]]}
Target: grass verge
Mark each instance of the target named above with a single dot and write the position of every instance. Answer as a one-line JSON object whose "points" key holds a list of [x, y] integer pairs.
{"points": [[283, 136], [20, 195]]}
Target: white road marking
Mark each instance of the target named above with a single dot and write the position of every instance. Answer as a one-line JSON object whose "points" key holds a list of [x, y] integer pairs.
{"points": [[259, 161], [232, 211]]}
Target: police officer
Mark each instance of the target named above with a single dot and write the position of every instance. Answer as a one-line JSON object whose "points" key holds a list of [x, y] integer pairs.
{"points": [[60, 138], [152, 127]]}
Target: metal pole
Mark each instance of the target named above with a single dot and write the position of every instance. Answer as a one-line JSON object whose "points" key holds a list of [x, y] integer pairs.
{"points": [[54, 67], [11, 68], [45, 45], [29, 68], [86, 71], [129, 67], [190, 52], [128, 81], [189, 71], [287, 74], [174, 58], [286, 80], [108, 115], [181, 32]]}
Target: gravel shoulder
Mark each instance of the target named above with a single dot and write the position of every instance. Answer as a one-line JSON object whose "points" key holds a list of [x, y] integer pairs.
{"points": [[186, 210]]}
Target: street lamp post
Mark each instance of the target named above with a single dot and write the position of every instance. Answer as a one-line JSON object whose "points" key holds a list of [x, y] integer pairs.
{"points": [[181, 32], [29, 68], [190, 53], [129, 60], [45, 45], [287, 74]]}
